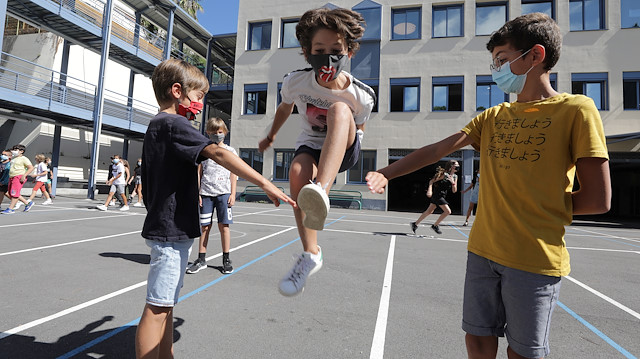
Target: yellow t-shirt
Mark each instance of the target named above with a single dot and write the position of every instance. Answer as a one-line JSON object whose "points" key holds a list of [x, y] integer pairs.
{"points": [[528, 153], [19, 166]]}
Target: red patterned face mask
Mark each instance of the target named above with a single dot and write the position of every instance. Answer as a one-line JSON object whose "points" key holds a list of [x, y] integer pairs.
{"points": [[191, 111]]}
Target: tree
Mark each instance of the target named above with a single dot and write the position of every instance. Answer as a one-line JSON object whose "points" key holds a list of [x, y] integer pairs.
{"points": [[191, 7]]}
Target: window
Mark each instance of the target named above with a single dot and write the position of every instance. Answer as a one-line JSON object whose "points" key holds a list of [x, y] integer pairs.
{"points": [[490, 17], [448, 21], [593, 85], [405, 94], [447, 93], [259, 36], [629, 13], [543, 6], [374, 84], [289, 38], [365, 65], [631, 90], [279, 99], [253, 158], [586, 15], [281, 164], [372, 13], [405, 24], [366, 163], [255, 99], [553, 79], [488, 94]]}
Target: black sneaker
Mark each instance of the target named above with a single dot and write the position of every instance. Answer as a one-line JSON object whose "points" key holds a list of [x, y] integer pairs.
{"points": [[414, 226], [197, 266], [226, 266], [436, 229]]}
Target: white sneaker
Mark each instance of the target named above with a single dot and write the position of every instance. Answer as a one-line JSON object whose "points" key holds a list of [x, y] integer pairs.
{"points": [[124, 208], [113, 203], [17, 206], [138, 204], [306, 265], [47, 202], [314, 202], [101, 207]]}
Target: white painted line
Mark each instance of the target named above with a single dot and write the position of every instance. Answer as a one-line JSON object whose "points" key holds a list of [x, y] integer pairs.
{"points": [[68, 243], [377, 347], [607, 235], [610, 300], [604, 250], [61, 220], [78, 307]]}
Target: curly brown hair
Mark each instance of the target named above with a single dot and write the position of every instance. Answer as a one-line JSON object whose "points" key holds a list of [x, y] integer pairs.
{"points": [[528, 30], [346, 23]]}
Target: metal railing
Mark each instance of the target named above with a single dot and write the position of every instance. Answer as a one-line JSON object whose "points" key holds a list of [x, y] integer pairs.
{"points": [[26, 77]]}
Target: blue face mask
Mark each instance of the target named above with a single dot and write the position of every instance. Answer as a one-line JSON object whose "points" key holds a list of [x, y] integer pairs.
{"points": [[4, 157], [115, 160], [506, 80]]}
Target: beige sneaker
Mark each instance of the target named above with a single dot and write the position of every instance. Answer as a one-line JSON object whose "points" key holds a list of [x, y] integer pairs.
{"points": [[314, 202]]}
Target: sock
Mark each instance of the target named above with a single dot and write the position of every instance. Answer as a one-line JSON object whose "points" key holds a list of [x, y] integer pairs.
{"points": [[202, 255], [225, 255]]}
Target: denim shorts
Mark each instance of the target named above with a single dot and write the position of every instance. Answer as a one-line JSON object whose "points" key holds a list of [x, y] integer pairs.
{"points": [[166, 271], [220, 204], [499, 300]]}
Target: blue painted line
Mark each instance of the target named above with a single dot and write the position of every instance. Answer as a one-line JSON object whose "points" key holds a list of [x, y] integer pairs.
{"points": [[135, 322], [597, 332], [459, 231]]}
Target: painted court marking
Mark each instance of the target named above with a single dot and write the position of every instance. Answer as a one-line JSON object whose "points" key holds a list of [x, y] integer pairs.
{"points": [[379, 335]]}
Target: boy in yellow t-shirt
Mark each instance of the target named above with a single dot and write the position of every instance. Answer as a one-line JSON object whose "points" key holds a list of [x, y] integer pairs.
{"points": [[530, 152], [21, 167]]}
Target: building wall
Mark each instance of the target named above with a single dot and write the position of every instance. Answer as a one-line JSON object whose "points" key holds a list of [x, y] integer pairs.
{"points": [[613, 51]]}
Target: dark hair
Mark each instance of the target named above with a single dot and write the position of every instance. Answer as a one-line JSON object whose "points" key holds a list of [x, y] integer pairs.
{"points": [[172, 71], [528, 30], [19, 147], [346, 23]]}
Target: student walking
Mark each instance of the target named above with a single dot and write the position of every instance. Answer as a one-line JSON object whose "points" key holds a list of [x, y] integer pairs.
{"points": [[334, 107], [41, 180], [516, 251], [474, 187], [171, 151], [217, 191], [136, 179], [5, 167], [20, 168], [440, 184], [117, 182]]}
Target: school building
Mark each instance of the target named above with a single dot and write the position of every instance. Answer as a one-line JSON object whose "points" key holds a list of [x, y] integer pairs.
{"points": [[429, 66]]}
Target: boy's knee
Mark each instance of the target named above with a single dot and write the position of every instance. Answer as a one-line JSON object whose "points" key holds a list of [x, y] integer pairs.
{"points": [[339, 110]]}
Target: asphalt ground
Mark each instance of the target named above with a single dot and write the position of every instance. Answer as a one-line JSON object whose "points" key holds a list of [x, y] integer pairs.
{"points": [[73, 285]]}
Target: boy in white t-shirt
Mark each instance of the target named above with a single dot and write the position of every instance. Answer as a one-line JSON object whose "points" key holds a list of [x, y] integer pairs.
{"points": [[334, 107], [41, 180], [217, 191], [117, 183]]}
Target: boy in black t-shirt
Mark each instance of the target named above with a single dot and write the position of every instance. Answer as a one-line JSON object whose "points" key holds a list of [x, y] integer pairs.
{"points": [[171, 152]]}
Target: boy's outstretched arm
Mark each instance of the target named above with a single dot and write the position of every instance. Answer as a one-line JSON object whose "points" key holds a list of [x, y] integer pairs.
{"points": [[594, 195], [236, 165], [417, 159], [283, 112]]}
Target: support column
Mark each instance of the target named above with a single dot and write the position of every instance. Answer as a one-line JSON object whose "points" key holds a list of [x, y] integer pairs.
{"points": [[132, 78], [136, 31], [207, 72], [125, 149], [167, 45], [55, 158], [99, 102]]}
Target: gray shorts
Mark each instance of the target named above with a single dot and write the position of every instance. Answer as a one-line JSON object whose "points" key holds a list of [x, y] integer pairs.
{"points": [[499, 300], [117, 188]]}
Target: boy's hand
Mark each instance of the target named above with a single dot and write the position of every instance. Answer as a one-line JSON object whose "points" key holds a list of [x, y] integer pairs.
{"points": [[376, 182], [200, 200], [231, 201], [264, 144], [276, 195]]}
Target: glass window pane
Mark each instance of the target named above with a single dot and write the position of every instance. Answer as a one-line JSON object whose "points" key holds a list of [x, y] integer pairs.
{"points": [[289, 34], [365, 64], [439, 23], [399, 25], [455, 97], [454, 21], [252, 99], [594, 90], [410, 98], [497, 95], [440, 94], [543, 7], [592, 14], [483, 97], [490, 18], [413, 24], [256, 37], [372, 18], [630, 13], [575, 15], [266, 36], [630, 95]]}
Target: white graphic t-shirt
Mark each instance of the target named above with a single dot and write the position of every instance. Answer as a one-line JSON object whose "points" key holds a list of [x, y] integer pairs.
{"points": [[215, 180], [313, 101], [42, 167], [119, 168]]}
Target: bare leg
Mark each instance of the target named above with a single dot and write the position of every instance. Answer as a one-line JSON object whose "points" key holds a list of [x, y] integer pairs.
{"points": [[341, 132], [33, 195], [204, 239], [154, 336], [430, 209], [513, 355], [225, 237], [445, 212], [139, 191], [469, 211], [109, 197], [481, 347], [303, 169]]}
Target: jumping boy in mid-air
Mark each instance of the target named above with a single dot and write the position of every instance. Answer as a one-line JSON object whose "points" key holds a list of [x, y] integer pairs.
{"points": [[171, 152], [334, 107], [530, 151]]}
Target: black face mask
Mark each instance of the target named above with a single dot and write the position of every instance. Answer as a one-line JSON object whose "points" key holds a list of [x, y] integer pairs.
{"points": [[327, 67]]}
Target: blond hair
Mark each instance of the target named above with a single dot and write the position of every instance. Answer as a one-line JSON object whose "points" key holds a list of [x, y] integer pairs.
{"points": [[40, 157], [216, 123]]}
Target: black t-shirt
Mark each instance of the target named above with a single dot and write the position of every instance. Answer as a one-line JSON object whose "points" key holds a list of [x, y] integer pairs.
{"points": [[170, 158], [441, 188]]}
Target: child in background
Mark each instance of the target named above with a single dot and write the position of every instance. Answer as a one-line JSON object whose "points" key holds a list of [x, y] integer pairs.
{"points": [[47, 160], [21, 167], [474, 187], [443, 181], [136, 179], [117, 184], [5, 166], [334, 107], [41, 180], [127, 179]]}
